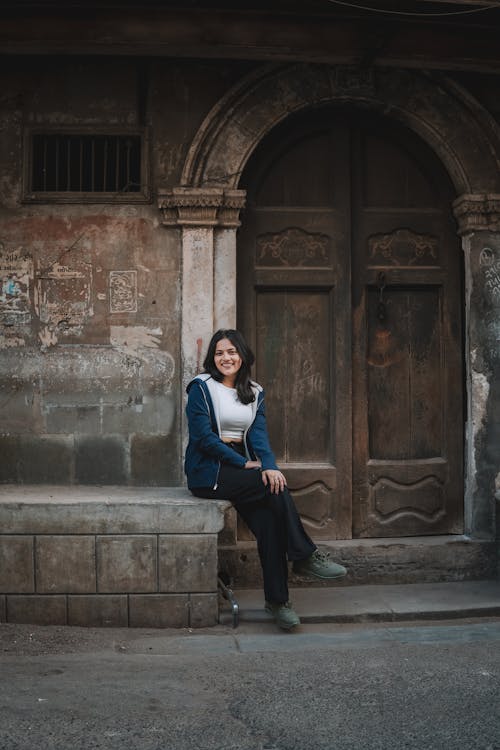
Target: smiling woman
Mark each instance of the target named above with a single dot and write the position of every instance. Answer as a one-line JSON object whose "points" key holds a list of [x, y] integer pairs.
{"points": [[229, 457], [227, 361]]}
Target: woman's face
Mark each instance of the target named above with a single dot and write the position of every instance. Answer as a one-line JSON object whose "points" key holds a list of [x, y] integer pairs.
{"points": [[227, 360]]}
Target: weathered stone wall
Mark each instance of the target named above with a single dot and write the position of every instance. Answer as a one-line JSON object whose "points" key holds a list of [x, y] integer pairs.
{"points": [[90, 293], [90, 383], [96, 557]]}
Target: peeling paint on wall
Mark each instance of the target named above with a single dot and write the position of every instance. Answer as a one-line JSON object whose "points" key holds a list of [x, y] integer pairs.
{"points": [[133, 339], [142, 343], [480, 392], [63, 301]]}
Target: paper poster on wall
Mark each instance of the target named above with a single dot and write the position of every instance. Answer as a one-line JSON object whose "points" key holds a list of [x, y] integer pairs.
{"points": [[16, 274]]}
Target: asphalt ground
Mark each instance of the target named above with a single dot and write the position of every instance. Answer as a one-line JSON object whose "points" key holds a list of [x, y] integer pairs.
{"points": [[325, 686]]}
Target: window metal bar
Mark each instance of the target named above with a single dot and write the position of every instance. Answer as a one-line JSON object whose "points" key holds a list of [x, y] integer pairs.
{"points": [[57, 164], [105, 164], [92, 165], [45, 163], [68, 165], [81, 165], [127, 175], [89, 163], [117, 166]]}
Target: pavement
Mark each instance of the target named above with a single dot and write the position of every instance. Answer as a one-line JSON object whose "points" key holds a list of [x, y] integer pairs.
{"points": [[400, 668], [377, 603]]}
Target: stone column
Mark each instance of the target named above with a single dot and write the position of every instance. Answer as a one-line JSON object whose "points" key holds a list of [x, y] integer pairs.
{"points": [[195, 212], [225, 259], [208, 219], [478, 218]]}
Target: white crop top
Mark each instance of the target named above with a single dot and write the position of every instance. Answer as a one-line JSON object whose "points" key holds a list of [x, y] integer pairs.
{"points": [[234, 416]]}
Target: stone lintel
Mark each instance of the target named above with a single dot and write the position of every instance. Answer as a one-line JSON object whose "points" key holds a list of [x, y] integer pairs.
{"points": [[477, 212], [208, 207]]}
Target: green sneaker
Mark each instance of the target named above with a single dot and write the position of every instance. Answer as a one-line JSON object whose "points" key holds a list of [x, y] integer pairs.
{"points": [[284, 616], [319, 565]]}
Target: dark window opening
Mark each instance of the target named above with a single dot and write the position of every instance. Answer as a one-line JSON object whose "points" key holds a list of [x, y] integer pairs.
{"points": [[86, 163]]}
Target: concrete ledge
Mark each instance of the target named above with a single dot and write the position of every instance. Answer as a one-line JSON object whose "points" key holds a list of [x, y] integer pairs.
{"points": [[110, 510], [108, 556]]}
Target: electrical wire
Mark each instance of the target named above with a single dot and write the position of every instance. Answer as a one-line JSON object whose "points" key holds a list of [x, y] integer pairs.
{"points": [[415, 15]]}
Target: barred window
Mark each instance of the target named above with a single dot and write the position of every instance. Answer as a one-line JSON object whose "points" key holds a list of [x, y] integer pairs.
{"points": [[81, 166]]}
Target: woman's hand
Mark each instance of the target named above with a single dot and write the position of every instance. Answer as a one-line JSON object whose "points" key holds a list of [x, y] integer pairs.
{"points": [[252, 465], [275, 479]]}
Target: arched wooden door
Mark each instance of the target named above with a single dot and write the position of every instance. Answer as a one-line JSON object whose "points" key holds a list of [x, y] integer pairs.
{"points": [[349, 288]]}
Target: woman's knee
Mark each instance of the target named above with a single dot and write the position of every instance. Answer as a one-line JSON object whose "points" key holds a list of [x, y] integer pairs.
{"points": [[279, 502]]}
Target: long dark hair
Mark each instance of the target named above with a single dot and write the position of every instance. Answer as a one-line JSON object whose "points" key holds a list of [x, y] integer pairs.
{"points": [[242, 382]]}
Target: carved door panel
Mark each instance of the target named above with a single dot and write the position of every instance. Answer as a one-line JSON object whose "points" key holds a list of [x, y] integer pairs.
{"points": [[363, 375], [407, 374], [293, 283]]}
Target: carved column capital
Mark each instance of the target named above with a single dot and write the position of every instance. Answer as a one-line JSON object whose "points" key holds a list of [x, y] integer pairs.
{"points": [[208, 207], [229, 212], [476, 212]]}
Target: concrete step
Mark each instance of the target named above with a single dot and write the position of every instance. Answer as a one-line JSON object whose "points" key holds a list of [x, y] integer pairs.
{"points": [[381, 561], [378, 603]]}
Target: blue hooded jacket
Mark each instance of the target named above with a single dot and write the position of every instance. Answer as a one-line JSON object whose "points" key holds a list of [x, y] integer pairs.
{"points": [[206, 451]]}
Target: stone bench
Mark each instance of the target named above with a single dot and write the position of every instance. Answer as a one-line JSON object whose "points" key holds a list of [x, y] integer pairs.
{"points": [[108, 556]]}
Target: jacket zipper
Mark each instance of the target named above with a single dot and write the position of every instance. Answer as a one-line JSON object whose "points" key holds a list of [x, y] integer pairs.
{"points": [[217, 477]]}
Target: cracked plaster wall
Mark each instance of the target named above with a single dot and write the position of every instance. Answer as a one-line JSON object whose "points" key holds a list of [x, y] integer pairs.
{"points": [[89, 294]]}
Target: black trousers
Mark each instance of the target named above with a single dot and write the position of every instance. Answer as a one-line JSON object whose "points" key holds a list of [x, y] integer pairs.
{"points": [[272, 518]]}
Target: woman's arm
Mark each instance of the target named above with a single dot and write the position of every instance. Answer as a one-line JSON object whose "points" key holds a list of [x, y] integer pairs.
{"points": [[201, 432], [259, 438]]}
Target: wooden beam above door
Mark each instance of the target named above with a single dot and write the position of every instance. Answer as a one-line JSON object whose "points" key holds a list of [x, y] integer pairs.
{"points": [[254, 35]]}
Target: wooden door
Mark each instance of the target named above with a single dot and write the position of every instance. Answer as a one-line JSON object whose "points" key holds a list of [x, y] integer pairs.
{"points": [[407, 339], [349, 291]]}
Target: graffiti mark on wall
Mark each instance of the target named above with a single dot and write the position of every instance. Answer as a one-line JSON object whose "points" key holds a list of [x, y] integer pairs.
{"points": [[490, 266], [123, 291], [486, 257], [492, 282]]}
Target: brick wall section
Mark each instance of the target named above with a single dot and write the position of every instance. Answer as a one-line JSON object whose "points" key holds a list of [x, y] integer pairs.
{"points": [[116, 557]]}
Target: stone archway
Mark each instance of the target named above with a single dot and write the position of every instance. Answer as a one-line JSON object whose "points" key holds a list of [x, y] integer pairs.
{"points": [[434, 107], [465, 138]]}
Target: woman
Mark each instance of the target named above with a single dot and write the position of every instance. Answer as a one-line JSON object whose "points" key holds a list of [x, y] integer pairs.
{"points": [[229, 457]]}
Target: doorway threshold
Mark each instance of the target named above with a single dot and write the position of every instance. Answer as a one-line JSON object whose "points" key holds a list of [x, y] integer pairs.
{"points": [[397, 560]]}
